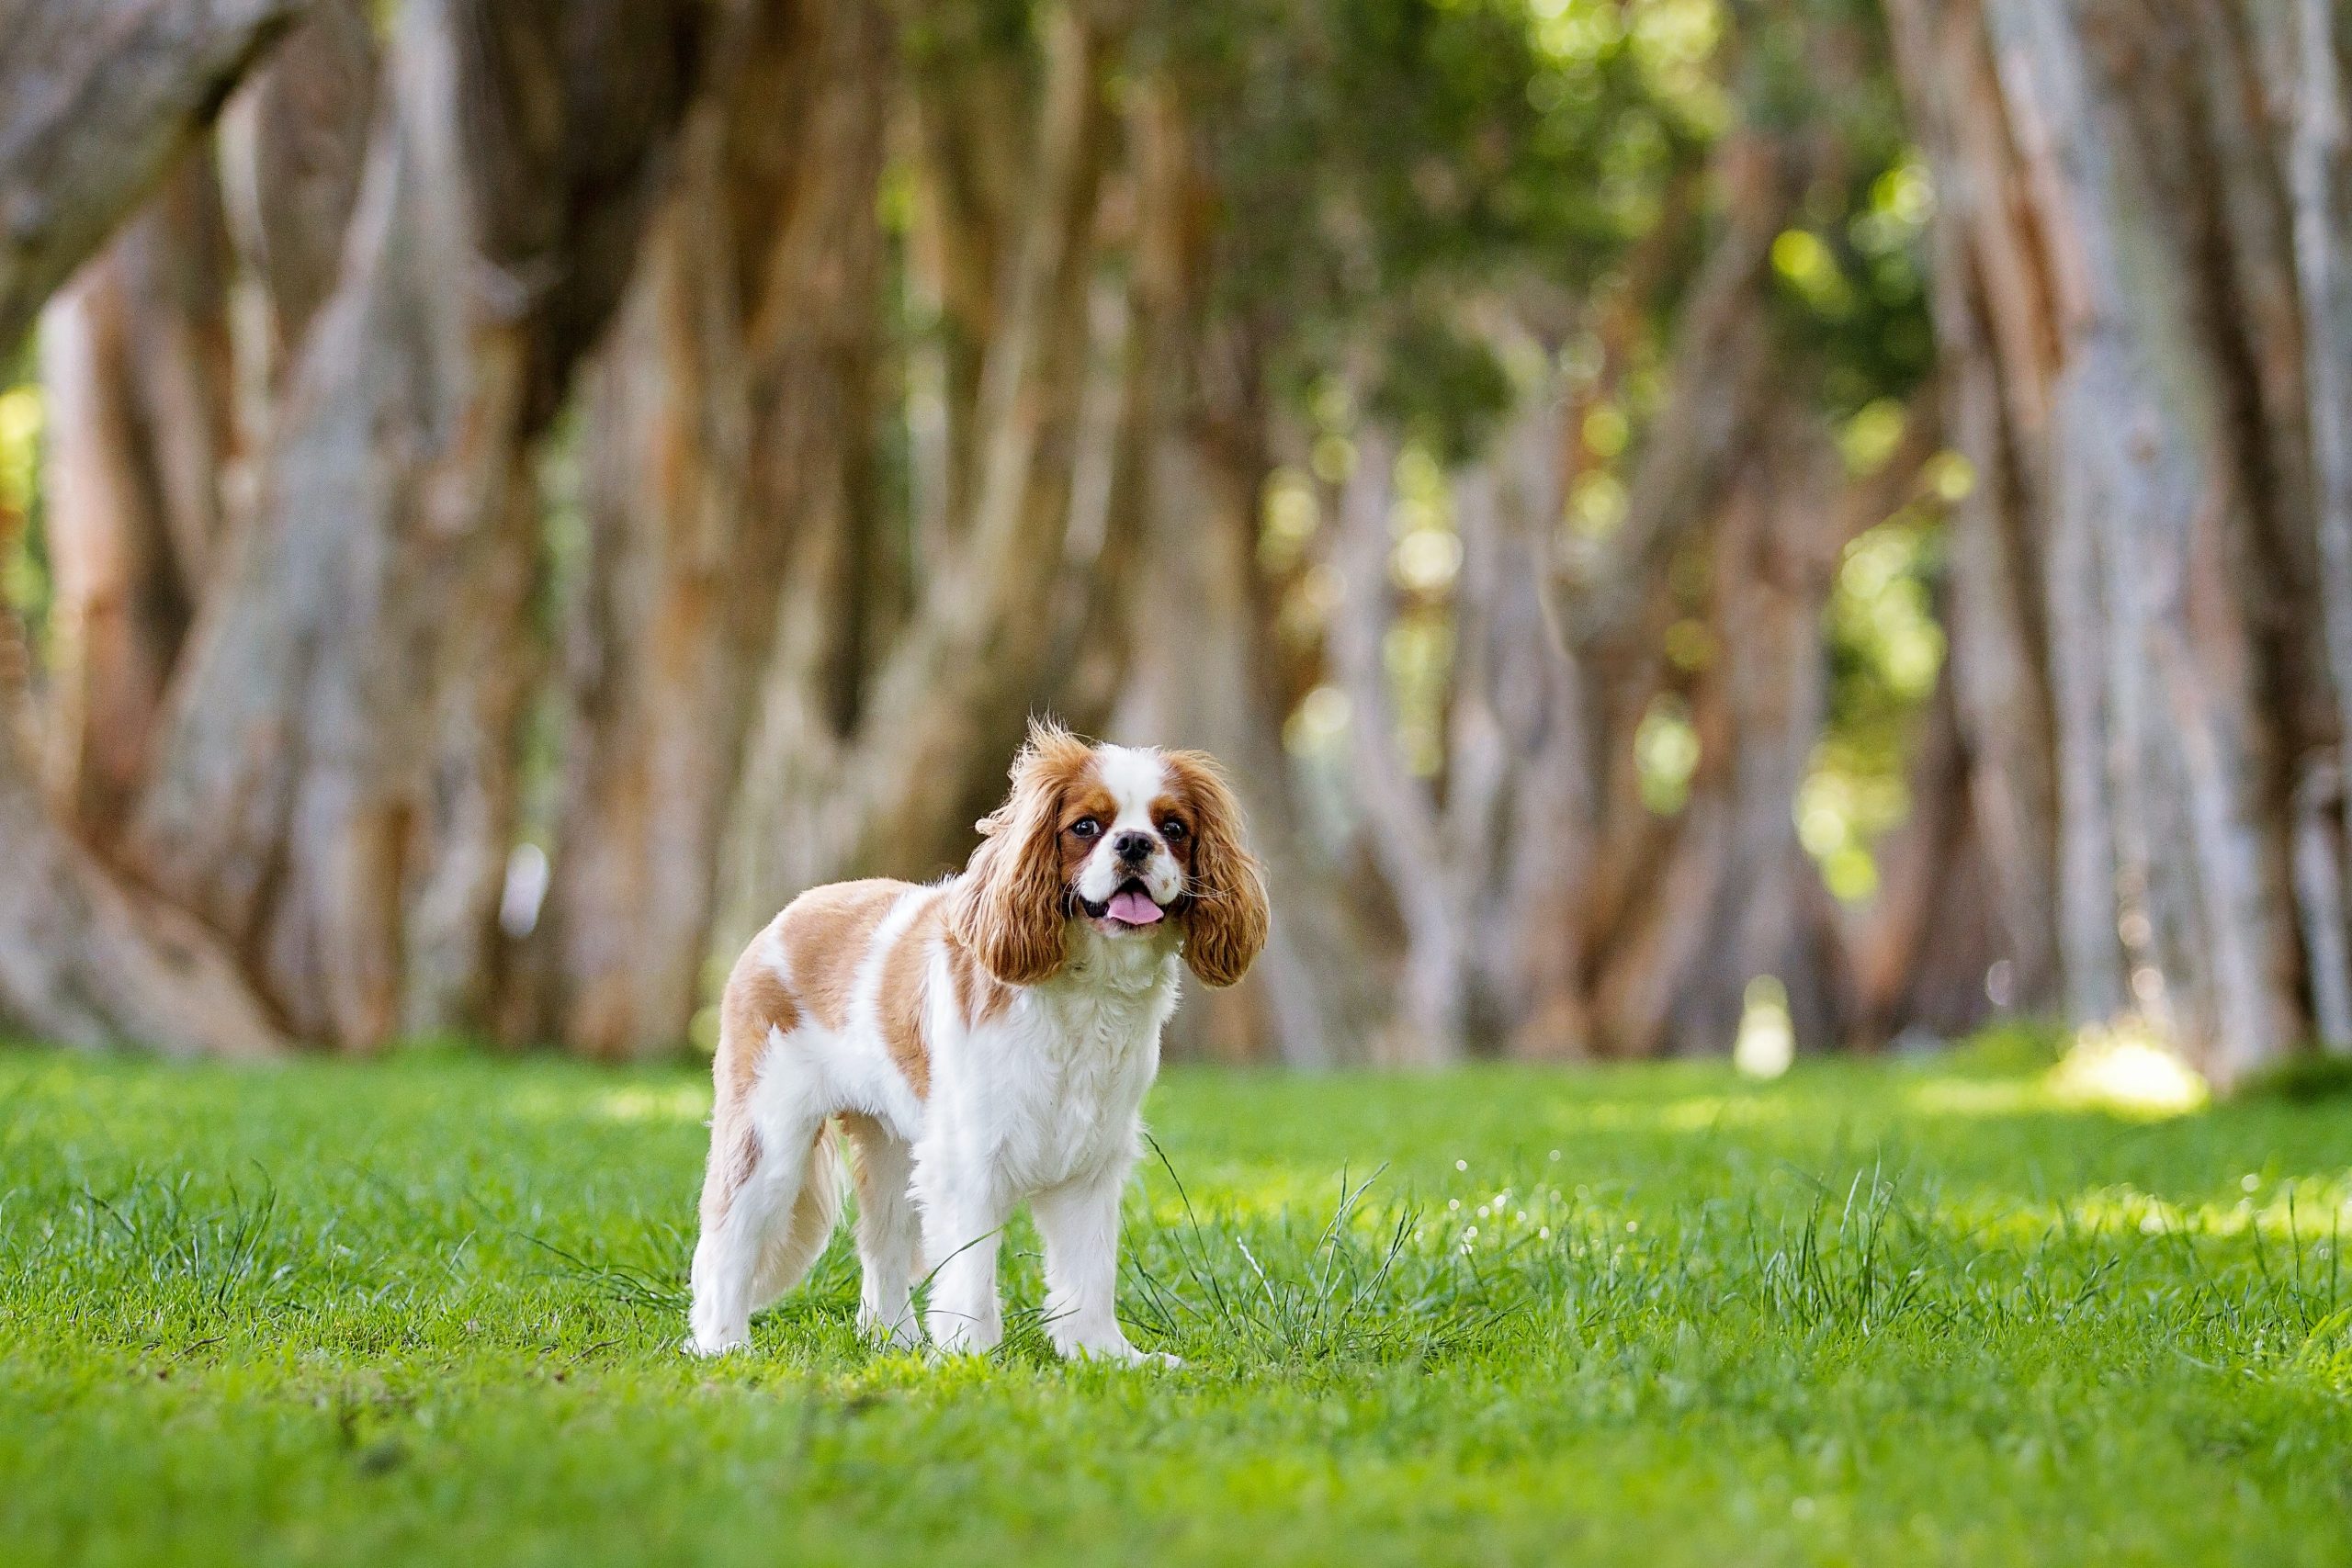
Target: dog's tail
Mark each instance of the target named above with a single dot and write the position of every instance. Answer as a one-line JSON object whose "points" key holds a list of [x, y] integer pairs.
{"points": [[792, 1250]]}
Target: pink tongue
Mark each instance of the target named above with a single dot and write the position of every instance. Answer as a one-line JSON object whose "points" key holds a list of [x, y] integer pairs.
{"points": [[1133, 907]]}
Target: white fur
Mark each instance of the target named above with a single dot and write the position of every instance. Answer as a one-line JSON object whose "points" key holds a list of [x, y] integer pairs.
{"points": [[1039, 1104]]}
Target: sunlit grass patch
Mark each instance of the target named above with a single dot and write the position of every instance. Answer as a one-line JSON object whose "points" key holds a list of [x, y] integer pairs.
{"points": [[1942, 1311]]}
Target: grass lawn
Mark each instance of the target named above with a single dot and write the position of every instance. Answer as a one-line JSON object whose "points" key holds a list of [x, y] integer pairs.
{"points": [[427, 1310]]}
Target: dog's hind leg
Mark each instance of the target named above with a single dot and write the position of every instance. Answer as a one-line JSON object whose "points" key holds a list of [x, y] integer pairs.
{"points": [[792, 1248], [889, 1233], [770, 1198]]}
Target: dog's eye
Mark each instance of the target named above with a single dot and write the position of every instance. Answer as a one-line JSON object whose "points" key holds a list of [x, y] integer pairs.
{"points": [[1171, 830], [1086, 828]]}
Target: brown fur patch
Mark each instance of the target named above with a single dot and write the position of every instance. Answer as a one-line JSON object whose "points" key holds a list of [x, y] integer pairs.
{"points": [[1226, 921], [1177, 810], [756, 1002], [1008, 905], [825, 934], [1083, 796], [905, 978], [734, 1155], [980, 996]]}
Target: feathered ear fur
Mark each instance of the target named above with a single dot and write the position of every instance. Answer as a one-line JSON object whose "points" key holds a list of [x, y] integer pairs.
{"points": [[1006, 907], [1226, 925]]}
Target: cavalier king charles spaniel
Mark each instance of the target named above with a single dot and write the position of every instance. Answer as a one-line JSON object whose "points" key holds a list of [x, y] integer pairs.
{"points": [[980, 1041]]}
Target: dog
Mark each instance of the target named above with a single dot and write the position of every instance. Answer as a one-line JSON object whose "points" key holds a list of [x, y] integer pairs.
{"points": [[979, 1042]]}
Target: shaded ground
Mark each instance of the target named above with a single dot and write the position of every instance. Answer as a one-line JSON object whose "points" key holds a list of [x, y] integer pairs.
{"points": [[427, 1309]]}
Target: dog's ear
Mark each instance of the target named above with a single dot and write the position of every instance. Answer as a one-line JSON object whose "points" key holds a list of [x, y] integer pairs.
{"points": [[1007, 908], [1224, 924]]}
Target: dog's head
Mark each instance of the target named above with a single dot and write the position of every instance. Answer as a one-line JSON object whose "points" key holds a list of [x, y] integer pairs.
{"points": [[1135, 842]]}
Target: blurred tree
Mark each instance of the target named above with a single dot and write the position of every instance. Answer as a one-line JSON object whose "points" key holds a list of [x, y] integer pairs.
{"points": [[1509, 430], [881, 761], [1618, 202], [334, 783], [94, 117], [136, 360], [152, 437], [97, 100], [2140, 304], [725, 437]]}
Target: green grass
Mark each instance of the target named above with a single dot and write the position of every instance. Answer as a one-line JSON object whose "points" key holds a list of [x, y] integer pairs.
{"points": [[427, 1311]]}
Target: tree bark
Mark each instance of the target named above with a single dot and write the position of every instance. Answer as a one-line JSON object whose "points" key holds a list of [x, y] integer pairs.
{"points": [[1406, 826], [2162, 455], [293, 147], [1921, 952], [335, 788], [86, 959], [892, 781], [98, 98], [724, 421], [2319, 182], [156, 406], [1736, 896], [136, 361], [2006, 621], [98, 106]]}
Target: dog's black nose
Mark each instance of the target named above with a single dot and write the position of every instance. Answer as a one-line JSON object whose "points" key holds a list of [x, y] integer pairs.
{"points": [[1132, 847]]}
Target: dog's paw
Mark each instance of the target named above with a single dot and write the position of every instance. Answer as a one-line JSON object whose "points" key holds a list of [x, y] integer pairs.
{"points": [[957, 1336], [696, 1345], [1118, 1353], [900, 1335]]}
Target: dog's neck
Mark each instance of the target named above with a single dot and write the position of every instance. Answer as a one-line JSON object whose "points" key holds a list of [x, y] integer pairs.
{"points": [[1134, 966]]}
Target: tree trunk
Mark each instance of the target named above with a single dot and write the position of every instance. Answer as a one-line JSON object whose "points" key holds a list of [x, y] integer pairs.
{"points": [[1529, 886], [2119, 195], [293, 146], [94, 116], [1406, 826], [1206, 669], [149, 452], [892, 780], [726, 419], [2319, 185], [1206, 678], [1522, 775], [135, 358], [88, 960], [1922, 951], [1737, 897], [335, 787], [98, 98]]}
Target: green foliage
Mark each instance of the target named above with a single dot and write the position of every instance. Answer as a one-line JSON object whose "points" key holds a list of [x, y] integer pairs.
{"points": [[1379, 165], [1886, 651], [429, 1309], [2309, 1078], [956, 32], [24, 559], [1851, 272], [1851, 293], [1379, 162]]}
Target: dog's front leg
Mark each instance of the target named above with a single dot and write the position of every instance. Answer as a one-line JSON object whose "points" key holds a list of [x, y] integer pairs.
{"points": [[1080, 1224], [961, 1224]]}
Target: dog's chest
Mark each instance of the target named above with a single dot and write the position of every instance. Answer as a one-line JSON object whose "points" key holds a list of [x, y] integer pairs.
{"points": [[1073, 1082]]}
